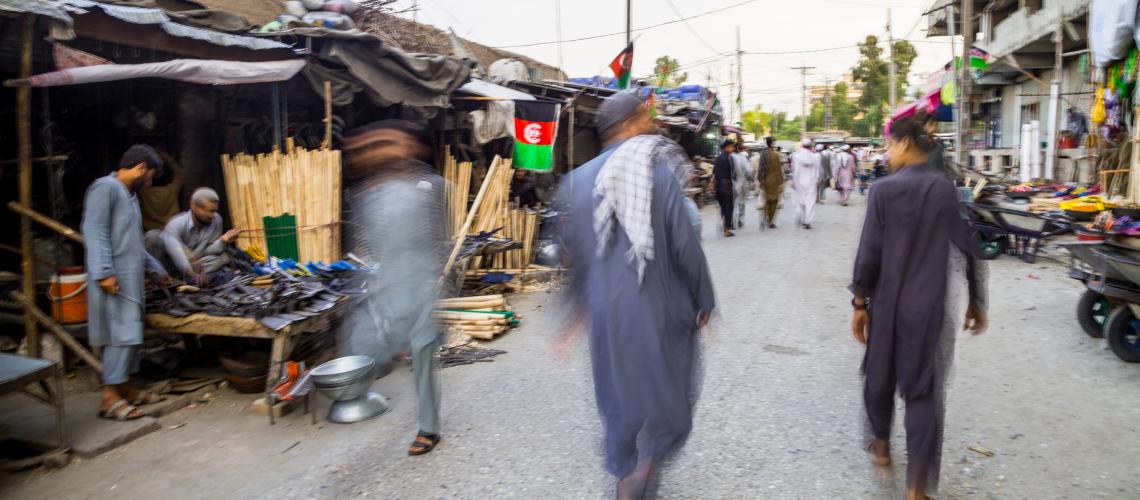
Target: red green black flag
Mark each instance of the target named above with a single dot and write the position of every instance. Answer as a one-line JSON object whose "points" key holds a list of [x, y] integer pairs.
{"points": [[621, 66], [536, 124]]}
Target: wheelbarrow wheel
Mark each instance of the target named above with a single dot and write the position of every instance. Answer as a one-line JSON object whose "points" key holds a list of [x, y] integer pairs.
{"points": [[1092, 312], [1123, 334], [992, 248]]}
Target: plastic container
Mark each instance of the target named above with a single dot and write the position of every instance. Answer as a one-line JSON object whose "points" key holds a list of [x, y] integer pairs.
{"points": [[68, 295]]}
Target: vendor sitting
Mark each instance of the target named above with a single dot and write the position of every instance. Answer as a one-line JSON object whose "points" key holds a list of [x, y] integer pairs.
{"points": [[192, 243]]}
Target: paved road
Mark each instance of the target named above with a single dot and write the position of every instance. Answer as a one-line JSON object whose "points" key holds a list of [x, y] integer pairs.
{"points": [[780, 415]]}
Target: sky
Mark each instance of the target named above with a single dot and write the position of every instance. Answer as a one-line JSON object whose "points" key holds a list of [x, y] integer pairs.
{"points": [[705, 46]]}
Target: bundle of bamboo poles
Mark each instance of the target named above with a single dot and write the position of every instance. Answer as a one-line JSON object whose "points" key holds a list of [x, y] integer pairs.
{"points": [[496, 211], [481, 317], [302, 182], [458, 177]]}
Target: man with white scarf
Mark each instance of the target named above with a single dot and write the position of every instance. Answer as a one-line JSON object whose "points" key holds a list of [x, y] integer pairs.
{"points": [[806, 173], [640, 285]]}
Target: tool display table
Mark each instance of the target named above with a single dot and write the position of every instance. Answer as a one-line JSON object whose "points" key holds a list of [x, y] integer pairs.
{"points": [[18, 372]]}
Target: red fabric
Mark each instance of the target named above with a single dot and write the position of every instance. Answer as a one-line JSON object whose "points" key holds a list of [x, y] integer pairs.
{"points": [[536, 133], [621, 63]]}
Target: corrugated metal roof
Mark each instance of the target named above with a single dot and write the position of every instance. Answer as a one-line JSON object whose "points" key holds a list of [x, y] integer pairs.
{"points": [[61, 10]]}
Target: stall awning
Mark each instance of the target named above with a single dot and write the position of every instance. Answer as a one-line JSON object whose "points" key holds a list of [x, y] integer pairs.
{"points": [[484, 88], [200, 71]]}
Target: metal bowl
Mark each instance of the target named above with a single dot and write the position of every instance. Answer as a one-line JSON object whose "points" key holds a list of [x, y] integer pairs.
{"points": [[346, 392], [344, 371]]}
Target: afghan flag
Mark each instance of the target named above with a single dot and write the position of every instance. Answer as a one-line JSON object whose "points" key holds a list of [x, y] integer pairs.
{"points": [[622, 65], [536, 125]]}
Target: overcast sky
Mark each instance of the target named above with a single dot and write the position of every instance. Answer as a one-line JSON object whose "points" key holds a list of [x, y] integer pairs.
{"points": [[766, 26]]}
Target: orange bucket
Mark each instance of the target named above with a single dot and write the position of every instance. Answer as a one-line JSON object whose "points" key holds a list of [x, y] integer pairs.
{"points": [[68, 294]]}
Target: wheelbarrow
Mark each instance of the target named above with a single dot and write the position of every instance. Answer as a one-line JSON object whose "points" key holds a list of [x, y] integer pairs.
{"points": [[1001, 230], [1106, 287], [1122, 329]]}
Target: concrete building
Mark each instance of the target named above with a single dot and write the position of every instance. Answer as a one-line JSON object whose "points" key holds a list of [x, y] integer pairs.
{"points": [[1020, 38], [819, 92]]}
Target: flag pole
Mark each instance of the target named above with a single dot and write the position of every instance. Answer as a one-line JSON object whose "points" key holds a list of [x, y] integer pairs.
{"points": [[628, 22]]}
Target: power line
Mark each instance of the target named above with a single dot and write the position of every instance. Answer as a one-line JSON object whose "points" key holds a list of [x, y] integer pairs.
{"points": [[808, 51], [652, 26], [690, 27]]}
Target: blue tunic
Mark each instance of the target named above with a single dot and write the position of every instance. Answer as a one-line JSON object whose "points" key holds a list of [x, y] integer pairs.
{"points": [[643, 337], [112, 227]]}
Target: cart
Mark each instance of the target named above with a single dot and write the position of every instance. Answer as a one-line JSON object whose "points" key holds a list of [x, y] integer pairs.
{"points": [[1002, 230], [1109, 306]]}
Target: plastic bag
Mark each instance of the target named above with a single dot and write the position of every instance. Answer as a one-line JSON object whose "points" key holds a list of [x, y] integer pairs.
{"points": [[1112, 28], [1098, 114]]}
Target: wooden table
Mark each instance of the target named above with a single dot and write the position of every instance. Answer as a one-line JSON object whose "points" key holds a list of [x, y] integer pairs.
{"points": [[244, 327], [18, 372]]}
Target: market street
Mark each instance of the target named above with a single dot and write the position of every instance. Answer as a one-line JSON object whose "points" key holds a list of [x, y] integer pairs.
{"points": [[780, 415]]}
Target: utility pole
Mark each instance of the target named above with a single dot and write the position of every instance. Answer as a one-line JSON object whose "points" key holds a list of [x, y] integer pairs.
{"points": [[803, 102], [826, 103], [739, 80], [964, 83], [558, 29], [1055, 102], [628, 22], [893, 100], [416, 11]]}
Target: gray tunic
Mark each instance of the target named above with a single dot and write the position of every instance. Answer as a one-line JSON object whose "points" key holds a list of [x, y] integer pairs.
{"points": [[181, 234], [112, 226], [643, 337]]}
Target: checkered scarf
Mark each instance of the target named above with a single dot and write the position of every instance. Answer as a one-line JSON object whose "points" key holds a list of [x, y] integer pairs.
{"points": [[624, 191]]}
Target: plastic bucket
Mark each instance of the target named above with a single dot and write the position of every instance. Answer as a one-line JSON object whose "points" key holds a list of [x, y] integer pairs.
{"points": [[68, 294]]}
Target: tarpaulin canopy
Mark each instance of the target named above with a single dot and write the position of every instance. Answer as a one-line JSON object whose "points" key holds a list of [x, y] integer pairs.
{"points": [[200, 71]]}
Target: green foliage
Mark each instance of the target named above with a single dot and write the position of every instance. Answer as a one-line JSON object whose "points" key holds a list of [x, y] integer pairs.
{"points": [[665, 72], [874, 73], [776, 124], [842, 112], [816, 117]]}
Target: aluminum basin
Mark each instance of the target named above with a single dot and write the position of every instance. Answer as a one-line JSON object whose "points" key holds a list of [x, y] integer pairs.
{"points": [[344, 371]]}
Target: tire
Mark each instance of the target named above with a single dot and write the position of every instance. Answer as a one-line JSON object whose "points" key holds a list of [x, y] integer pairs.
{"points": [[1123, 333], [992, 249], [1093, 311]]}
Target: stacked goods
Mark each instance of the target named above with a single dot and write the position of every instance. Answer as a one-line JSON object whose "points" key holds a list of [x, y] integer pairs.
{"points": [[304, 183], [481, 317], [495, 211], [458, 177]]}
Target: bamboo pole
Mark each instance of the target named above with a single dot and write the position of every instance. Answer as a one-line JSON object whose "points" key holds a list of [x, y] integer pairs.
{"points": [[63, 335], [46, 221], [24, 139], [467, 222]]}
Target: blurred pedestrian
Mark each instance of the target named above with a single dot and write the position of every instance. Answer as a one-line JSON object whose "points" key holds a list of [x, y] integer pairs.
{"points": [[117, 265], [901, 303], [771, 178], [845, 174], [741, 182], [805, 181], [396, 210], [724, 173], [640, 281], [825, 166]]}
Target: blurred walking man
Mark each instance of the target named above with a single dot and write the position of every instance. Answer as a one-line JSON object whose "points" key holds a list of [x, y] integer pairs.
{"points": [[640, 282], [771, 176], [396, 218], [724, 173], [805, 181]]}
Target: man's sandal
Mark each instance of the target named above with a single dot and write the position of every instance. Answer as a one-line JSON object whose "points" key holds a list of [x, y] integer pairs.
{"points": [[121, 411], [423, 444]]}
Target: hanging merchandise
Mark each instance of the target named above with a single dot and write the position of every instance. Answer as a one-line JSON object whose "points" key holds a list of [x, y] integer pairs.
{"points": [[1111, 29], [1098, 113], [536, 125]]}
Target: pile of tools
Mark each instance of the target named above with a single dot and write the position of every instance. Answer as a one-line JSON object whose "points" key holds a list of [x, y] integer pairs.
{"points": [[481, 317]]}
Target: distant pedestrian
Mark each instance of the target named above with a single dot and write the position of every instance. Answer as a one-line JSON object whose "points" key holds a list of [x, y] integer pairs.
{"points": [[724, 172], [901, 303], [741, 182], [806, 172], [845, 173], [396, 219], [825, 166], [771, 179], [640, 282]]}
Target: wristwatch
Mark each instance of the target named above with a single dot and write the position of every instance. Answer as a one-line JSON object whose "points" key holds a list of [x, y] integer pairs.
{"points": [[858, 307]]}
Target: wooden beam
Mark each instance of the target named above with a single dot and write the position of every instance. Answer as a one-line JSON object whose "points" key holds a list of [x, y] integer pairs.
{"points": [[51, 223], [63, 335], [24, 140]]}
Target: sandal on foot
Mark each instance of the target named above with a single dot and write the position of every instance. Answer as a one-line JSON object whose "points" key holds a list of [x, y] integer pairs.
{"points": [[121, 411], [881, 456], [424, 443], [148, 398]]}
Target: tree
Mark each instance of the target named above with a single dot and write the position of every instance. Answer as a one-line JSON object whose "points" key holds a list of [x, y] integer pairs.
{"points": [[665, 72], [874, 73], [843, 114], [816, 117], [785, 128]]}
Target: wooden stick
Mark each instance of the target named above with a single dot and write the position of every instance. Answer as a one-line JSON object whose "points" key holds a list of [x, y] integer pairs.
{"points": [[47, 221], [24, 144], [467, 223], [327, 143], [58, 331]]}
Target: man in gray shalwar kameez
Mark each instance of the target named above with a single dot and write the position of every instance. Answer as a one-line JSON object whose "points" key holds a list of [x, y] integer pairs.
{"points": [[193, 242], [639, 279], [396, 220], [116, 265]]}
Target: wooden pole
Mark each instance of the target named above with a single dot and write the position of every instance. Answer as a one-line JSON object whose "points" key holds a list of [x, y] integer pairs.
{"points": [[461, 236], [63, 336], [327, 143], [24, 138], [51, 223]]}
